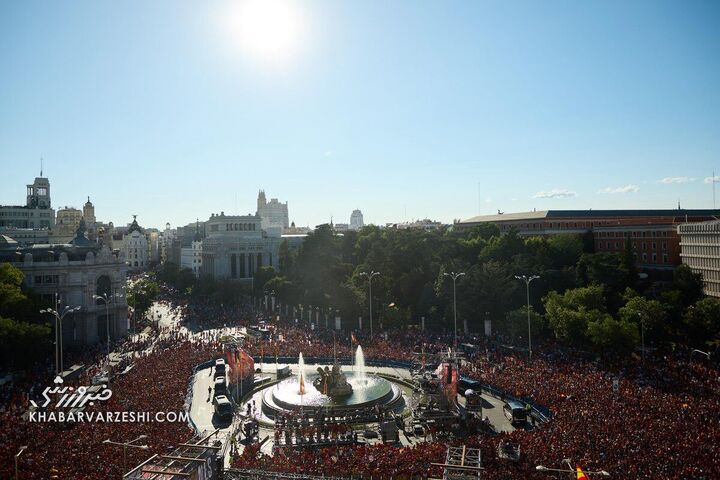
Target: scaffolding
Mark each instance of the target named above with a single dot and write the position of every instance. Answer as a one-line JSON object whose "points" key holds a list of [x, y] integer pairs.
{"points": [[197, 459], [461, 463]]}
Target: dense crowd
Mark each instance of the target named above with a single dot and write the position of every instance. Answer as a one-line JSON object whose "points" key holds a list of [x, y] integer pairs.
{"points": [[157, 383], [663, 421]]}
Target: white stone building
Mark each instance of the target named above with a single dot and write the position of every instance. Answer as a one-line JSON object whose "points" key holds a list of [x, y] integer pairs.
{"points": [[273, 214], [356, 220], [700, 250], [73, 273], [135, 248], [36, 213], [235, 247]]}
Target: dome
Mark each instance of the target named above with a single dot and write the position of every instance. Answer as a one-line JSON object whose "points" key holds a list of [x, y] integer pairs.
{"points": [[134, 227]]}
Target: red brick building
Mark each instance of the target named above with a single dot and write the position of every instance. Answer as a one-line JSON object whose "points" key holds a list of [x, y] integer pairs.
{"points": [[653, 233]]}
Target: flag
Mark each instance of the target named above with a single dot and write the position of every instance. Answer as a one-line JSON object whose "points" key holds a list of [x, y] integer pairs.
{"points": [[581, 475], [352, 338], [302, 384]]}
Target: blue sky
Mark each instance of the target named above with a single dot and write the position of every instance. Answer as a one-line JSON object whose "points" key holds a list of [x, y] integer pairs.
{"points": [[404, 109]]}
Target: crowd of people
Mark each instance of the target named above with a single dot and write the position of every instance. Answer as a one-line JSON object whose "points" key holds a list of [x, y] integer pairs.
{"points": [[158, 382], [657, 420]]}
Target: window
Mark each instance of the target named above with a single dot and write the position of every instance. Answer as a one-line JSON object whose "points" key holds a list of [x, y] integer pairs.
{"points": [[665, 258], [654, 257], [644, 257]]}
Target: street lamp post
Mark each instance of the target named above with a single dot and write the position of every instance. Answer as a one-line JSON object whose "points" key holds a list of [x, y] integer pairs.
{"points": [[370, 277], [58, 325], [17, 456], [527, 281], [127, 444], [104, 297], [454, 277]]}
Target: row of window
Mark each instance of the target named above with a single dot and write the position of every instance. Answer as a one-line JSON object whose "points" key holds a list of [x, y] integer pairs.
{"points": [[703, 262], [31, 213], [653, 233], [619, 245], [654, 257], [46, 279], [542, 225]]}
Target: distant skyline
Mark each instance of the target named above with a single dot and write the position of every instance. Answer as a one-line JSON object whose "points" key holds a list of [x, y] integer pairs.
{"points": [[173, 110]]}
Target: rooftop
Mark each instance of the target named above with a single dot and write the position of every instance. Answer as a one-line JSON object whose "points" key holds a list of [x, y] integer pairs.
{"points": [[542, 214]]}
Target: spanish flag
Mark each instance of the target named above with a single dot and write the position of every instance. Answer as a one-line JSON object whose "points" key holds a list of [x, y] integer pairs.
{"points": [[580, 474], [352, 338], [302, 384]]}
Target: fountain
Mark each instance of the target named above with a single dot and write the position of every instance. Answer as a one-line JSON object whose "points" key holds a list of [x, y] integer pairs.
{"points": [[331, 387], [360, 371], [332, 383]]}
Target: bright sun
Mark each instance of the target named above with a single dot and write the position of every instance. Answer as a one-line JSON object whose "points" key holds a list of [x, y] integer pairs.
{"points": [[270, 30]]}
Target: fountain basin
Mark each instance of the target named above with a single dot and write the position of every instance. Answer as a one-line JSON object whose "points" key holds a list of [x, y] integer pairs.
{"points": [[368, 391]]}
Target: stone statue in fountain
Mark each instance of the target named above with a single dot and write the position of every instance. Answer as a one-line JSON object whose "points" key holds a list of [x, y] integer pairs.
{"points": [[332, 383]]}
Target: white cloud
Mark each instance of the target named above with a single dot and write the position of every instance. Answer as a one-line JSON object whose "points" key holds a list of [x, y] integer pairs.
{"points": [[669, 180], [488, 200], [555, 193], [623, 189], [710, 179]]}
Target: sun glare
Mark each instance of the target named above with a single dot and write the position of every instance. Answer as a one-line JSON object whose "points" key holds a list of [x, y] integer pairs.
{"points": [[269, 30]]}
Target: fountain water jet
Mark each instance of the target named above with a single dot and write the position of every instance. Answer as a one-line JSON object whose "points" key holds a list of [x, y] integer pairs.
{"points": [[301, 373], [360, 371]]}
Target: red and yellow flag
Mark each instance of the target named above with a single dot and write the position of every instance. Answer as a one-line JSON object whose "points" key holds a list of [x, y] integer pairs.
{"points": [[580, 474], [352, 338], [302, 384]]}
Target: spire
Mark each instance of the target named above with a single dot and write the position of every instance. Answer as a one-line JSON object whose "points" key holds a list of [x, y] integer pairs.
{"points": [[197, 230], [41, 166]]}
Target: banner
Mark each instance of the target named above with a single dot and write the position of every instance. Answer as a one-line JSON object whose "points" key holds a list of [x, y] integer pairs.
{"points": [[240, 363]]}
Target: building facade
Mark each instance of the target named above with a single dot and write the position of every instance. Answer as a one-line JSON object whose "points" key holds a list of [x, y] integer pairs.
{"points": [[236, 246], [66, 224], [700, 250], [35, 214], [356, 220], [653, 234], [71, 274], [135, 247], [191, 256], [273, 214]]}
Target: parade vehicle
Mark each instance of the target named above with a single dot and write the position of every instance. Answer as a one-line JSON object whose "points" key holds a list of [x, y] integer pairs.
{"points": [[465, 384], [220, 366], [223, 407], [515, 412], [220, 387]]}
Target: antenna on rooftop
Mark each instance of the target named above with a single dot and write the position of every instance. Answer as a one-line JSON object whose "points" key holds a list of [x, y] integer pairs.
{"points": [[713, 185], [41, 169]]}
